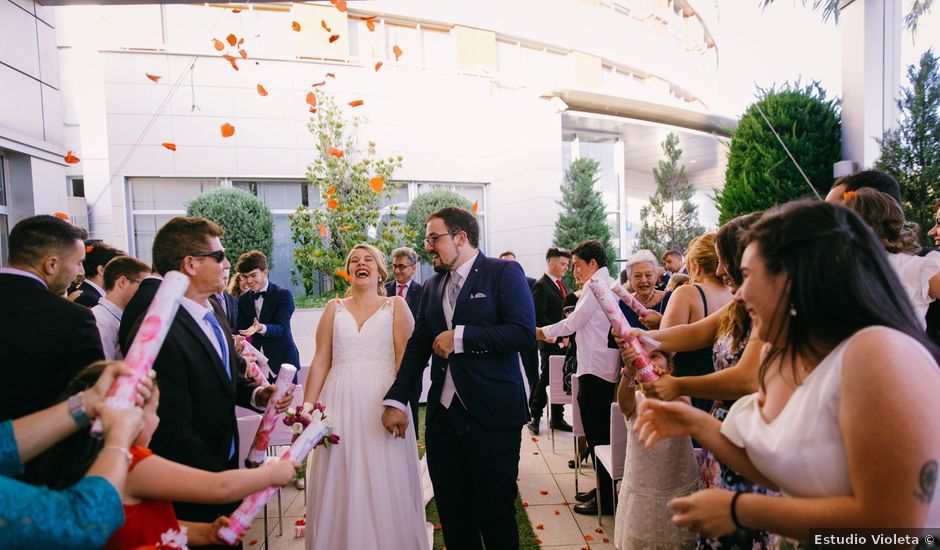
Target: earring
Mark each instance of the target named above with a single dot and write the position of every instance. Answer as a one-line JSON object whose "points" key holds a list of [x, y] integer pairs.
{"points": [[792, 310]]}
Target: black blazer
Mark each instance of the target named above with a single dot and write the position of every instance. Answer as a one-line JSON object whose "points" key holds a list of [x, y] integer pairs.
{"points": [[548, 308], [89, 296], [277, 344], [230, 310], [197, 406], [413, 297], [45, 340], [495, 308], [135, 309]]}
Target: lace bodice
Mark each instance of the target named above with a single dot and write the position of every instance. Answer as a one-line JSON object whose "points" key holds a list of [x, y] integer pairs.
{"points": [[368, 351]]}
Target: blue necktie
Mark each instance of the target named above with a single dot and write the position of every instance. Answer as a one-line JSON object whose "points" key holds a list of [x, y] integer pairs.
{"points": [[223, 345]]}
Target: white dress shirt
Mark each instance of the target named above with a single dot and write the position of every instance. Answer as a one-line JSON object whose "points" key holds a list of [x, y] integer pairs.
{"points": [[108, 318], [95, 286], [259, 303], [592, 326], [404, 292]]}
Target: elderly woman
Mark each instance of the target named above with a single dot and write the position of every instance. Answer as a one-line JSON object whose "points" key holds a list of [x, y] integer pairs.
{"points": [[821, 428], [642, 272]]}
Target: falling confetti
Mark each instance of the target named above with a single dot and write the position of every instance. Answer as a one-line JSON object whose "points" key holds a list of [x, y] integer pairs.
{"points": [[170, 146], [330, 75], [598, 530], [543, 492], [397, 51], [377, 184], [378, 66], [231, 61], [334, 38], [369, 24], [525, 504], [153, 77], [540, 526], [261, 91], [322, 230], [336, 152], [228, 130], [332, 204], [356, 103], [311, 99], [329, 192], [70, 158], [345, 228], [588, 538], [295, 25], [236, 10], [243, 53], [231, 39], [323, 24], [219, 46], [473, 208], [342, 273], [61, 216], [315, 84]]}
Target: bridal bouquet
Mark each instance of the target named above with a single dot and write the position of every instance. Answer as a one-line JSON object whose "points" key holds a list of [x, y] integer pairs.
{"points": [[303, 415]]}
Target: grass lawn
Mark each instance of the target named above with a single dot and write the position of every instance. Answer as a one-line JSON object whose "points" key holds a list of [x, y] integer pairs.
{"points": [[526, 536]]}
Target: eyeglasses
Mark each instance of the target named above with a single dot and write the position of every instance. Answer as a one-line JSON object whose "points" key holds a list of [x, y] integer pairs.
{"points": [[401, 267], [432, 238], [134, 281], [217, 255]]}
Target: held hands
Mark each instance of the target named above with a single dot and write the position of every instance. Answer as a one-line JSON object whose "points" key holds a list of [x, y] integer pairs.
{"points": [[707, 512], [120, 426], [264, 395], [444, 344], [395, 421]]}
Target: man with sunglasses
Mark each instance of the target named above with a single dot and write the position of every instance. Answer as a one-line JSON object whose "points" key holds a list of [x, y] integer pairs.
{"points": [[201, 377], [404, 265]]}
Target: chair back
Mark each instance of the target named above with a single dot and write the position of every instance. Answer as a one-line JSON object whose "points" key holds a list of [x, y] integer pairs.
{"points": [[247, 428], [577, 427], [556, 386], [618, 441]]}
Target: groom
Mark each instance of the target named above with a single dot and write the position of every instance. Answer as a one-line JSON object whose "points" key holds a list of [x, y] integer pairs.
{"points": [[476, 316]]}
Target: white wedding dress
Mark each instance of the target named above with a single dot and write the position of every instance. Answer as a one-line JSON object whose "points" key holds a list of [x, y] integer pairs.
{"points": [[366, 491]]}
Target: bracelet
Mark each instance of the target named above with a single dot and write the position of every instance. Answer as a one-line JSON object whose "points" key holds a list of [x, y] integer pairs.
{"points": [[127, 454], [734, 512]]}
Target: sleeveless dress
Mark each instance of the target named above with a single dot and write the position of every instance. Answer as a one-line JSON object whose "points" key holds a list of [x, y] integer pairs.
{"points": [[651, 478], [145, 521], [366, 491], [696, 362]]}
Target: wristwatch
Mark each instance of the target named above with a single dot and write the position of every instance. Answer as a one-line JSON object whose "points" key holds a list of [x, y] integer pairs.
{"points": [[77, 409]]}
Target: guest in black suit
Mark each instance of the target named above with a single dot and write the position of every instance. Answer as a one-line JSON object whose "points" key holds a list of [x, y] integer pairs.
{"points": [[530, 357], [200, 375], [45, 340], [228, 304], [137, 307], [549, 294], [476, 317], [97, 255], [404, 265], [264, 312]]}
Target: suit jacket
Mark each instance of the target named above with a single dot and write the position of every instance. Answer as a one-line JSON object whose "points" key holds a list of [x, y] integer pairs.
{"points": [[89, 296], [495, 308], [135, 309], [548, 308], [197, 405], [230, 311], [45, 340], [412, 297], [277, 343]]}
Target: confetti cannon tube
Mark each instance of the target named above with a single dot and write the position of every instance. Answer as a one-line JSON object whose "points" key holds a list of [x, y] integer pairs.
{"points": [[146, 345], [259, 447], [260, 358], [240, 520], [644, 371], [629, 299]]}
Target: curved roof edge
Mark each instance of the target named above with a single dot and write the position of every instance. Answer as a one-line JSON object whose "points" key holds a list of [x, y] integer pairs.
{"points": [[592, 102]]}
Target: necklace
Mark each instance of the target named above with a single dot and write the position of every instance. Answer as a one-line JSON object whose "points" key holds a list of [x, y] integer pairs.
{"points": [[648, 300]]}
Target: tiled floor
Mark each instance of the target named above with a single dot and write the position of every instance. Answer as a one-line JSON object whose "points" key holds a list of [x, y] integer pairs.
{"points": [[539, 470]]}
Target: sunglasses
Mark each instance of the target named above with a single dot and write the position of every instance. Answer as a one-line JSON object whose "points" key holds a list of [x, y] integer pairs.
{"points": [[217, 255]]}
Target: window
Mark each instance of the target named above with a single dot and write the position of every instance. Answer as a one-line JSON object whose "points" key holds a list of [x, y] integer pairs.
{"points": [[4, 214], [406, 38], [439, 48], [76, 187], [508, 59]]}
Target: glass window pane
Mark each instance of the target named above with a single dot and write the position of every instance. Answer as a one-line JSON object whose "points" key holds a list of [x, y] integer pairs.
{"points": [[167, 194], [4, 239], [601, 148], [405, 38], [365, 45], [439, 49], [145, 228], [3, 184], [533, 68]]}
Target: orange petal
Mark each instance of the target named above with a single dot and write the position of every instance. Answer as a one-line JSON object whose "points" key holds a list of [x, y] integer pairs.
{"points": [[236, 10], [535, 439], [473, 208], [261, 91], [231, 60], [295, 25], [228, 130], [323, 24], [540, 526], [70, 158], [378, 66], [89, 248], [231, 39], [313, 109], [341, 5], [336, 152], [598, 530], [543, 492], [315, 84], [437, 526], [334, 38], [376, 184], [606, 540], [370, 25], [588, 538], [397, 51], [322, 230], [311, 99], [330, 75], [535, 452], [170, 146], [345, 227], [525, 504], [332, 204], [342, 273], [557, 513], [538, 541], [243, 53], [63, 216], [153, 77], [240, 42], [356, 103], [329, 192], [219, 46]]}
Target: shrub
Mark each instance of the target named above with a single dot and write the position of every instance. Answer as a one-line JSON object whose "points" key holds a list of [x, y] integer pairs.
{"points": [[246, 220], [423, 206]]}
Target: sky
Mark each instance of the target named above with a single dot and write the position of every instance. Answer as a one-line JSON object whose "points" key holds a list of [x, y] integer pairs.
{"points": [[788, 40]]}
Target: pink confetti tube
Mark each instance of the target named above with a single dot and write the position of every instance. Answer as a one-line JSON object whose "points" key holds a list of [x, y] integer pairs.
{"points": [[259, 447], [644, 372], [629, 299], [146, 345], [240, 520], [259, 357]]}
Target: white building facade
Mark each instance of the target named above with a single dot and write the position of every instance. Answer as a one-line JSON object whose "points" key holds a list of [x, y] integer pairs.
{"points": [[492, 99]]}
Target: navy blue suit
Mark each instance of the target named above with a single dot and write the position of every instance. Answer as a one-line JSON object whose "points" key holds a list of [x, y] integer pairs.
{"points": [[413, 299], [277, 343], [473, 446]]}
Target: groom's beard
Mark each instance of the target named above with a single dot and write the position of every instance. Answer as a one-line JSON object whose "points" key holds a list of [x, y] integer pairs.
{"points": [[444, 268]]}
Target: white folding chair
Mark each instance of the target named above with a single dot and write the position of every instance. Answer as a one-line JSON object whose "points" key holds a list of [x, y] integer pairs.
{"points": [[247, 428], [612, 456], [556, 390], [281, 437]]}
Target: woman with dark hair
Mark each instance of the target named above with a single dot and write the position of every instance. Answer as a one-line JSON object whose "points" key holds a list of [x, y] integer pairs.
{"points": [[845, 420]]}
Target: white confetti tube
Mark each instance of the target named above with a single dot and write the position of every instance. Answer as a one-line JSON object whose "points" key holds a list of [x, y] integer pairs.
{"points": [[259, 447], [240, 520], [147, 343], [644, 372]]}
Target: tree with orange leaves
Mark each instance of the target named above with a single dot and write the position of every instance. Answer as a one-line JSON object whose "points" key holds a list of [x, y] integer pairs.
{"points": [[352, 207]]}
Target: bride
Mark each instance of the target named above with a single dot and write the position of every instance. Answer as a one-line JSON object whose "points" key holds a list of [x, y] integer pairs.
{"points": [[366, 491]]}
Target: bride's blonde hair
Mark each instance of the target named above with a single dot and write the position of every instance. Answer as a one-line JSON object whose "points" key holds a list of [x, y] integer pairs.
{"points": [[379, 258]]}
